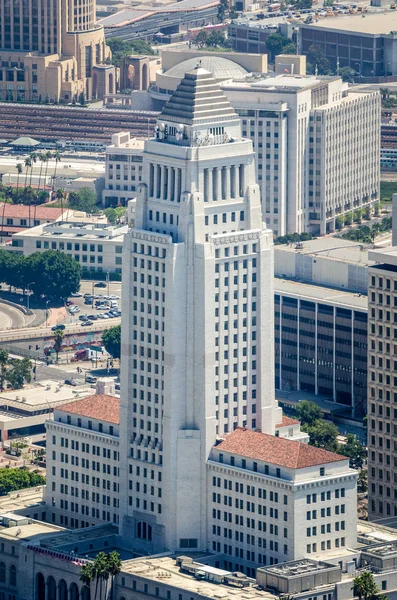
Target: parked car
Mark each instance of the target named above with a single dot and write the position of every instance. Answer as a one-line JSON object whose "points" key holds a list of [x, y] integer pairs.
{"points": [[93, 317], [76, 295], [61, 326], [86, 323], [100, 284], [83, 317], [70, 382], [90, 379]]}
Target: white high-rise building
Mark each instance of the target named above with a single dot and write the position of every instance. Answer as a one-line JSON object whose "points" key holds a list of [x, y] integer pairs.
{"points": [[198, 354], [197, 344]]}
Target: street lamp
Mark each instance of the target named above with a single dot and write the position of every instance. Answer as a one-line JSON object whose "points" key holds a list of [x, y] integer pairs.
{"points": [[46, 311], [27, 287], [107, 280]]}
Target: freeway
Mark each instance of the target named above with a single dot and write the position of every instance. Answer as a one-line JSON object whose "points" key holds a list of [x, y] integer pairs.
{"points": [[34, 333]]}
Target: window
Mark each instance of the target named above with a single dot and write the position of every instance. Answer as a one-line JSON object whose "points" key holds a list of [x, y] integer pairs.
{"points": [[13, 575]]}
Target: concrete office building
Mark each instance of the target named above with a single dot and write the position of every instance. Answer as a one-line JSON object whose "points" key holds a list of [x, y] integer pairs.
{"points": [[52, 49], [382, 382], [83, 460], [297, 132], [96, 246], [198, 265], [368, 45], [123, 169], [321, 344]]}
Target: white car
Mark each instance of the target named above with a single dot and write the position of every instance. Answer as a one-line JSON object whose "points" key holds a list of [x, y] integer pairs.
{"points": [[76, 295], [114, 297]]}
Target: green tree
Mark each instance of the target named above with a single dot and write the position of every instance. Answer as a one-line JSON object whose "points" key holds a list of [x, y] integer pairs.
{"points": [[114, 215], [111, 339], [222, 8], [60, 196], [57, 158], [275, 43], [308, 412], [355, 451], [362, 481], [85, 200], [87, 575], [18, 479], [19, 171], [19, 373], [347, 74], [4, 362], [377, 208], [364, 586], [323, 434], [340, 221], [114, 568], [58, 338], [316, 61], [56, 274], [348, 218], [201, 38]]}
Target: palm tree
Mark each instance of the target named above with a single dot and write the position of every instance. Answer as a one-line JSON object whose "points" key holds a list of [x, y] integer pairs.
{"points": [[60, 195], [48, 156], [33, 158], [28, 163], [57, 157], [87, 575], [114, 568], [4, 361], [58, 337], [19, 170], [364, 586], [42, 157]]}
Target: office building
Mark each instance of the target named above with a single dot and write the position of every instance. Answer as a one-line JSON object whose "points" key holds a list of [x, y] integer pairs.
{"points": [[298, 131], [96, 246], [83, 460], [123, 169], [53, 50], [365, 43], [297, 124], [198, 266], [382, 382], [321, 344]]}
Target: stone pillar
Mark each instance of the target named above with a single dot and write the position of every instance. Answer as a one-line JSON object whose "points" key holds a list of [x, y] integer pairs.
{"points": [[233, 181], [177, 185], [228, 175], [171, 183], [219, 183], [155, 180]]}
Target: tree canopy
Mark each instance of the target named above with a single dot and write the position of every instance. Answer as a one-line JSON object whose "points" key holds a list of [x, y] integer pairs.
{"points": [[16, 372], [18, 479], [317, 61], [53, 273], [114, 215], [277, 43], [105, 567], [120, 49], [323, 434], [308, 412], [111, 339], [364, 586], [84, 199]]}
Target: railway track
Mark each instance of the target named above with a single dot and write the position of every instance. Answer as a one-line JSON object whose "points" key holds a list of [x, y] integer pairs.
{"points": [[50, 123]]}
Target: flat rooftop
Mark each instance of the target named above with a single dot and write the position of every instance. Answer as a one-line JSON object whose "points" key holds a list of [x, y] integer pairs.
{"points": [[298, 567], [372, 23], [159, 568], [29, 531], [316, 293], [43, 395], [331, 247], [18, 500], [385, 255]]}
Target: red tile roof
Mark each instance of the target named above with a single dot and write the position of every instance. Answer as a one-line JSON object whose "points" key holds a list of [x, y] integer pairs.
{"points": [[275, 450], [98, 406], [39, 212], [287, 421]]}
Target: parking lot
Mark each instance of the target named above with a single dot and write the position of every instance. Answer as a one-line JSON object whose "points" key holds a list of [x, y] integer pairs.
{"points": [[95, 301]]}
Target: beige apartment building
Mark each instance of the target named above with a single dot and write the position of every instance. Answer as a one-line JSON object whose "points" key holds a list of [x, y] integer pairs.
{"points": [[52, 50]]}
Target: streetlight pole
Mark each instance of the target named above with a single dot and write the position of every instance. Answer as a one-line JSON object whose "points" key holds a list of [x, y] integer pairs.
{"points": [[27, 287], [107, 279], [46, 311]]}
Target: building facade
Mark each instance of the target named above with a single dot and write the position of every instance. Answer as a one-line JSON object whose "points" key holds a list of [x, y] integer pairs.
{"points": [[306, 182], [96, 246], [123, 169], [382, 382], [83, 461], [321, 343], [198, 267], [52, 50]]}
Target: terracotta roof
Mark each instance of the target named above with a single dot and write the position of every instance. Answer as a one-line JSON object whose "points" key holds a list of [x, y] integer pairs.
{"points": [[98, 406], [22, 211], [275, 450], [287, 421]]}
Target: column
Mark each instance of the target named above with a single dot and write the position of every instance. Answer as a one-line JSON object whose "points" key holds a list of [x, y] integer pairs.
{"points": [[241, 186], [233, 181], [177, 185], [219, 183], [214, 184], [151, 180], [155, 180], [227, 182], [210, 190], [165, 183], [171, 194]]}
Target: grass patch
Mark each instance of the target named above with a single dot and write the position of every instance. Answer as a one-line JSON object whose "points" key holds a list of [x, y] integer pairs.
{"points": [[387, 189]]}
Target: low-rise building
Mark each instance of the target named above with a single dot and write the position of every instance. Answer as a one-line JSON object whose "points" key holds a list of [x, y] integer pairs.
{"points": [[272, 499], [96, 246], [123, 169], [18, 217], [83, 460]]}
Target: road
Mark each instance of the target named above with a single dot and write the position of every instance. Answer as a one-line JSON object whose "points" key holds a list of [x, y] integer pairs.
{"points": [[68, 167]]}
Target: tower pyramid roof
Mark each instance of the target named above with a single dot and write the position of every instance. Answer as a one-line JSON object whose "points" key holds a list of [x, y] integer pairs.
{"points": [[197, 100]]}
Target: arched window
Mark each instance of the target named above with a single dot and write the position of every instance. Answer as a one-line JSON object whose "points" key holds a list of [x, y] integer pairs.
{"points": [[40, 587], [51, 589], [2, 572], [144, 531], [74, 592], [62, 590], [13, 575]]}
